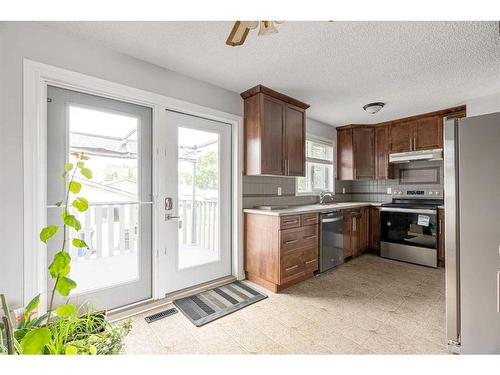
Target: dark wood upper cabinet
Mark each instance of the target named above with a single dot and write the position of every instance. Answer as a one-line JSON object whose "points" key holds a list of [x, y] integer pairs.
{"points": [[402, 136], [274, 133], [345, 155], [355, 149], [364, 148], [295, 140], [383, 169], [428, 133], [419, 134]]}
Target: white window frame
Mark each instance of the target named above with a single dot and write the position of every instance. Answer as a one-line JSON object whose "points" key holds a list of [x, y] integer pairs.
{"points": [[329, 142], [36, 77]]}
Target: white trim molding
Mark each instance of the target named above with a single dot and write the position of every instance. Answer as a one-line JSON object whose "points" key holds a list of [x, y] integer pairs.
{"points": [[36, 77]]}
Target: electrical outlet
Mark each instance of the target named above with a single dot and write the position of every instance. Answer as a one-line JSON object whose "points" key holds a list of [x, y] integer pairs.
{"points": [[389, 190], [343, 190], [279, 190]]}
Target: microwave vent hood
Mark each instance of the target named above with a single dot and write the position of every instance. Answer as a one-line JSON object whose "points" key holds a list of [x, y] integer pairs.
{"points": [[405, 157]]}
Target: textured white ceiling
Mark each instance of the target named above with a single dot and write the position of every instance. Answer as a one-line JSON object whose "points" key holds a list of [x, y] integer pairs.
{"points": [[336, 67]]}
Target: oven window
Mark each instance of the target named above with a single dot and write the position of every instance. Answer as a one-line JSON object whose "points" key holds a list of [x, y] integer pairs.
{"points": [[409, 229]]}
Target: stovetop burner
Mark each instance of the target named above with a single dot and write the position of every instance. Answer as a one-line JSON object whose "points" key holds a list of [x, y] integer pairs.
{"points": [[414, 203]]}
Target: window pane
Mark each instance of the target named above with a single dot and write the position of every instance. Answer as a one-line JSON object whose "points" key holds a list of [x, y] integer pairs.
{"points": [[319, 150], [198, 197], [321, 177]]}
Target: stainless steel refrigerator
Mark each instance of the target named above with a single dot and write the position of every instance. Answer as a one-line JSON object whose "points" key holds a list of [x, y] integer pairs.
{"points": [[472, 234]]}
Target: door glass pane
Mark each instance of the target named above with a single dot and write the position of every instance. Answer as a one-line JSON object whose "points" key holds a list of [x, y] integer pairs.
{"points": [[198, 158], [110, 226]]}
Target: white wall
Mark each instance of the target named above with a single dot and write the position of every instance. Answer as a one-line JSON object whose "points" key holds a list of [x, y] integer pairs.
{"points": [[20, 40], [483, 105]]}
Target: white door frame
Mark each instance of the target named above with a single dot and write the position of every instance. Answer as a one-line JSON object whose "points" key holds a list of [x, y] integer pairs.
{"points": [[36, 77]]}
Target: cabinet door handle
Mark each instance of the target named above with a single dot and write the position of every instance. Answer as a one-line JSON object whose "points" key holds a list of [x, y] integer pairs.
{"points": [[291, 268], [311, 261], [353, 223], [287, 167], [289, 221], [309, 237], [440, 227], [290, 242], [411, 144]]}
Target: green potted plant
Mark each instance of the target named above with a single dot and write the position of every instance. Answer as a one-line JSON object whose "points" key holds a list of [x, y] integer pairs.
{"points": [[69, 329]]}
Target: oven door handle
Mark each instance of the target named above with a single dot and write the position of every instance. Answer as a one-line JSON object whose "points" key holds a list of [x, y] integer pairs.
{"points": [[409, 210]]}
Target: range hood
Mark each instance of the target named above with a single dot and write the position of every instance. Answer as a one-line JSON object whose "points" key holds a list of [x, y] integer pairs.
{"points": [[406, 157]]}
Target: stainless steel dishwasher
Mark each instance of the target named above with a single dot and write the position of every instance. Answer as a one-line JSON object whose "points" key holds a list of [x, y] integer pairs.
{"points": [[331, 252]]}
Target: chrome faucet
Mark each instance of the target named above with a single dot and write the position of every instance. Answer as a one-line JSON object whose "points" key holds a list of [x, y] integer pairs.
{"points": [[325, 197]]}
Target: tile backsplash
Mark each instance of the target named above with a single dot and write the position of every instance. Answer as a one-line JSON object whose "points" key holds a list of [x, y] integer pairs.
{"points": [[263, 190], [418, 175]]}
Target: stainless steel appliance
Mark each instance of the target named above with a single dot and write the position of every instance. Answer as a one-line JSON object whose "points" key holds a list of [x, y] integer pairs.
{"points": [[409, 230], [331, 252], [472, 231]]}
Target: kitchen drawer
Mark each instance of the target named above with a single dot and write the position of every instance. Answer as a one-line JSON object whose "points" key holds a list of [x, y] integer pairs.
{"points": [[292, 266], [308, 219], [291, 239], [351, 212], [310, 258], [309, 236], [292, 221]]}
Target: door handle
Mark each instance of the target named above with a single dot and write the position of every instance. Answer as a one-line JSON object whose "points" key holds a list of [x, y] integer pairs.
{"points": [[311, 261], [291, 268], [290, 242], [171, 217], [309, 237]]}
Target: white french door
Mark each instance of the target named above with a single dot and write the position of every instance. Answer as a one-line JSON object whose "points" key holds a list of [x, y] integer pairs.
{"points": [[116, 269], [195, 220]]}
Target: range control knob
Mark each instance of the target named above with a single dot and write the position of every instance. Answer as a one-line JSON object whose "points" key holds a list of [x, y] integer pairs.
{"points": [[388, 224]]}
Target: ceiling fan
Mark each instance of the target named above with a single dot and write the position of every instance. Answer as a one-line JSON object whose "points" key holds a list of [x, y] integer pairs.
{"points": [[241, 29]]}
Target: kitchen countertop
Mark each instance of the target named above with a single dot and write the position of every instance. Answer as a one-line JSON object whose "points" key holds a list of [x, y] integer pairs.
{"points": [[295, 210]]}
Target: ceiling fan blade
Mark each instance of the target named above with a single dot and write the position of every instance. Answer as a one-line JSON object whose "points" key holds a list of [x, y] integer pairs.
{"points": [[238, 34]]}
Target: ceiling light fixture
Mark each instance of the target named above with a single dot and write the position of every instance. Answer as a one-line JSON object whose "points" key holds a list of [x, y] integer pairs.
{"points": [[373, 107], [241, 29]]}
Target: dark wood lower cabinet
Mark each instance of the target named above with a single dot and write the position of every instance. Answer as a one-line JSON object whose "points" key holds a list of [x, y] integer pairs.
{"points": [[441, 246], [356, 231], [281, 250], [375, 229]]}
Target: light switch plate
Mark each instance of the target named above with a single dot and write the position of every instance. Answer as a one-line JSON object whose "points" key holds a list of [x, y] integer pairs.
{"points": [[343, 190], [389, 190], [279, 190]]}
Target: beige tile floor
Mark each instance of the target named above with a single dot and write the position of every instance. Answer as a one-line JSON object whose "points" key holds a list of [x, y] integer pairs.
{"points": [[369, 305]]}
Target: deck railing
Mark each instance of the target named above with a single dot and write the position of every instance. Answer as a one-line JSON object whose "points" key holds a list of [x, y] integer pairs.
{"points": [[198, 224], [112, 229]]}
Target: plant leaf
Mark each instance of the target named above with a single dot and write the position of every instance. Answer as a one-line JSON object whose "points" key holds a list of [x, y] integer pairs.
{"points": [[66, 310], [79, 243], [81, 204], [70, 350], [74, 187], [60, 266], [68, 167], [58, 204], [87, 173], [34, 341], [92, 350], [65, 285], [48, 232], [72, 221], [80, 164], [32, 305]]}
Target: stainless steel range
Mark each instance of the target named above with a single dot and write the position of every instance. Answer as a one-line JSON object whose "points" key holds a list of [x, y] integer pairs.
{"points": [[409, 230]]}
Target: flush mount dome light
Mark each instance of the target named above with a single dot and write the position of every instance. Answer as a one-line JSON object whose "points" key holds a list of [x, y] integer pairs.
{"points": [[373, 107]]}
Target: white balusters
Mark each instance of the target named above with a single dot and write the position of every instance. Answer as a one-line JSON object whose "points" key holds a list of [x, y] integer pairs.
{"points": [[98, 231], [111, 230], [121, 225]]}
